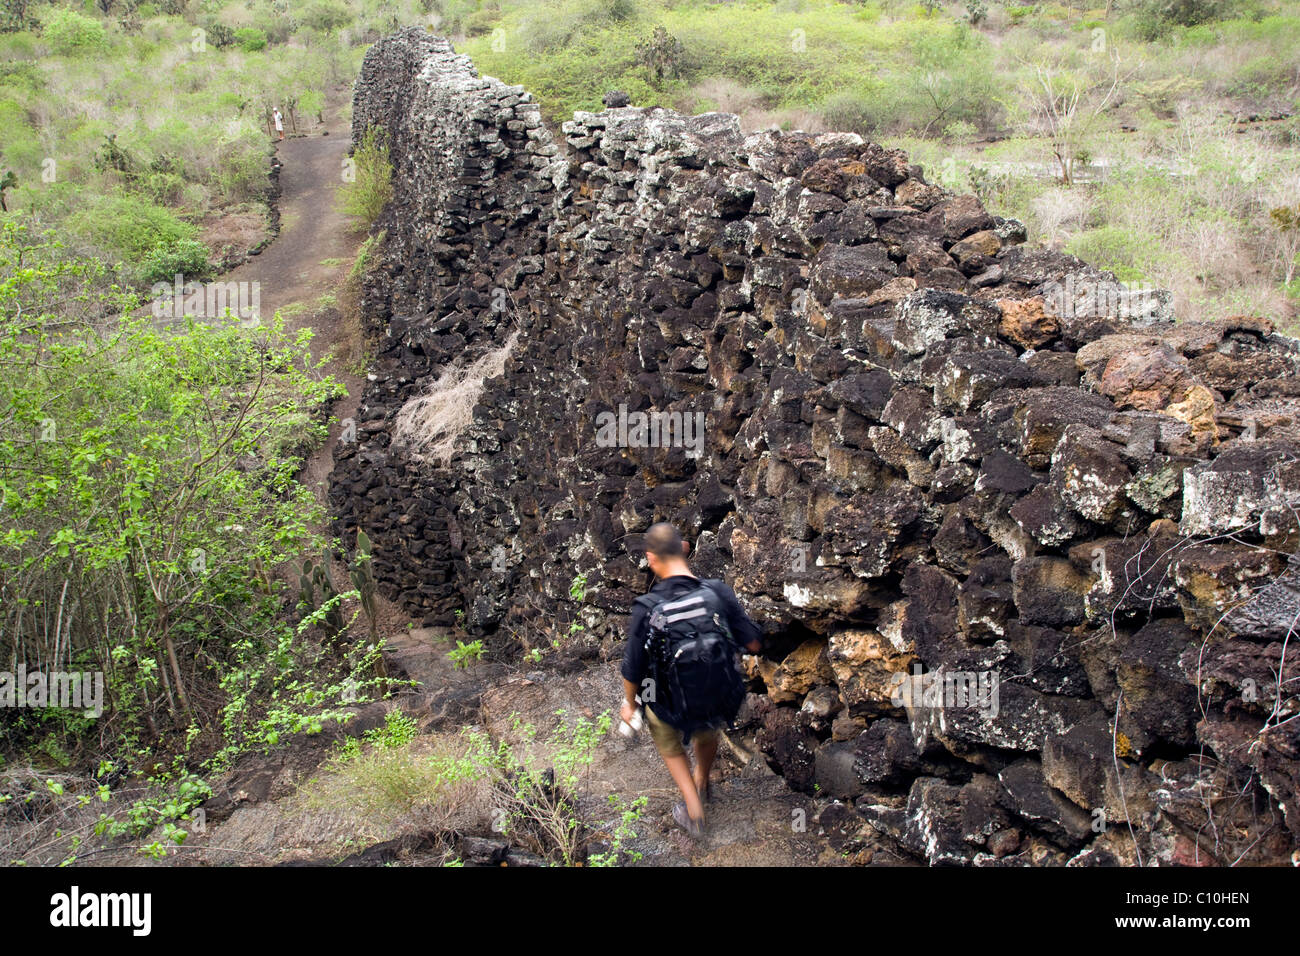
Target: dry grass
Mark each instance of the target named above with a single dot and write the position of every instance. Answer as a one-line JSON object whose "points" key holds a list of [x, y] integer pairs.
{"points": [[723, 94], [430, 785], [1059, 213], [429, 424], [235, 231]]}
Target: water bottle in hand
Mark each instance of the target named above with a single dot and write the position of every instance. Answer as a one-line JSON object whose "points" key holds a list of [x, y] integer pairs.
{"points": [[628, 729]]}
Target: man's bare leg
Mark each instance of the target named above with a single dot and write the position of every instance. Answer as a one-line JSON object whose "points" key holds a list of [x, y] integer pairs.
{"points": [[705, 752], [680, 768]]}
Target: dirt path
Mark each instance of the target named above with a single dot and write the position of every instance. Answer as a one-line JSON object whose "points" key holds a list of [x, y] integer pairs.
{"points": [[301, 272]]}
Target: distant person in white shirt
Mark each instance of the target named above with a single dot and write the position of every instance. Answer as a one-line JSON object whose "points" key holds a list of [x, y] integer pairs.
{"points": [[279, 123]]}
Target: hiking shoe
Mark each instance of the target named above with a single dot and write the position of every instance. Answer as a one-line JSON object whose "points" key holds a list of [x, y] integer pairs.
{"points": [[694, 828]]}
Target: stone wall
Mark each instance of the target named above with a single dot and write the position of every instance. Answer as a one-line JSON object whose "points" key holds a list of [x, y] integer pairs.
{"points": [[926, 447]]}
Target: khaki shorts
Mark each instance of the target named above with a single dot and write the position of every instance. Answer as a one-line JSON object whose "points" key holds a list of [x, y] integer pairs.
{"points": [[668, 739]]}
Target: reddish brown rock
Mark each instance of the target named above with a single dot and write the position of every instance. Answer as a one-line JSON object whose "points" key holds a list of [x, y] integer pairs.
{"points": [[1027, 323], [1146, 377]]}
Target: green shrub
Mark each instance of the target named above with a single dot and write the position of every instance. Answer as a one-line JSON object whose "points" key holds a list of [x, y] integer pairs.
{"points": [[250, 39], [1153, 19], [481, 21], [240, 167], [463, 655], [1122, 252], [71, 34], [164, 188], [326, 16], [217, 33], [188, 257], [127, 227], [372, 182], [277, 27], [15, 47], [853, 111], [312, 103], [398, 731], [159, 456]]}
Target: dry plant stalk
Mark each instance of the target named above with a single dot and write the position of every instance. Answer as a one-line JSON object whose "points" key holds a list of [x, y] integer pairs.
{"points": [[429, 424]]}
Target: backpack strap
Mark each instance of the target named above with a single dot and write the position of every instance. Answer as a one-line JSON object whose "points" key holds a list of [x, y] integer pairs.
{"points": [[650, 601], [647, 601]]}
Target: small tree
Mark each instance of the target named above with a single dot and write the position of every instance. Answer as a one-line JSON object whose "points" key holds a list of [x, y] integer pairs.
{"points": [[1065, 105], [147, 483], [326, 16], [8, 181], [662, 55]]}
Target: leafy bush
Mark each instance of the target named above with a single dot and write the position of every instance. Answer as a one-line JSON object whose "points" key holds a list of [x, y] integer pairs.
{"points": [[144, 478], [1154, 18], [1118, 250], [463, 655], [853, 111], [71, 34], [217, 33], [123, 226], [398, 731], [481, 21], [239, 168], [662, 54], [326, 16], [164, 188], [187, 257], [250, 39], [372, 181]]}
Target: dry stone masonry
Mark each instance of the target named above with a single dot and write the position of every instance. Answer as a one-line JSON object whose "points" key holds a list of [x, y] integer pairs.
{"points": [[1021, 544]]}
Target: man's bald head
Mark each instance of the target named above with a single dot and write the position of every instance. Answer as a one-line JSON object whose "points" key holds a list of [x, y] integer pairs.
{"points": [[664, 541], [665, 551]]}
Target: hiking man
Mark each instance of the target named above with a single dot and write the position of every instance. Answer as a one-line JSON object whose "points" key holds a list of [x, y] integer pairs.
{"points": [[680, 657], [279, 122]]}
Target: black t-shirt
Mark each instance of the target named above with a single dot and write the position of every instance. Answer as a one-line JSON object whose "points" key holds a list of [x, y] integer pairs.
{"points": [[636, 660]]}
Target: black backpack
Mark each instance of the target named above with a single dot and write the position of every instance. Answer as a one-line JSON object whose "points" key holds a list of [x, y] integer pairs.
{"points": [[692, 660]]}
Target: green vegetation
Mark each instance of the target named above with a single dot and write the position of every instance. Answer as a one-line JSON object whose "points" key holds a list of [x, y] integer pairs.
{"points": [[71, 34], [398, 731], [147, 474], [147, 478], [529, 787], [368, 181], [463, 655], [130, 125], [139, 139]]}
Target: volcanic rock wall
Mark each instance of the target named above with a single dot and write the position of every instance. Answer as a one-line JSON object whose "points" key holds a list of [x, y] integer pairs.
{"points": [[1021, 545]]}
